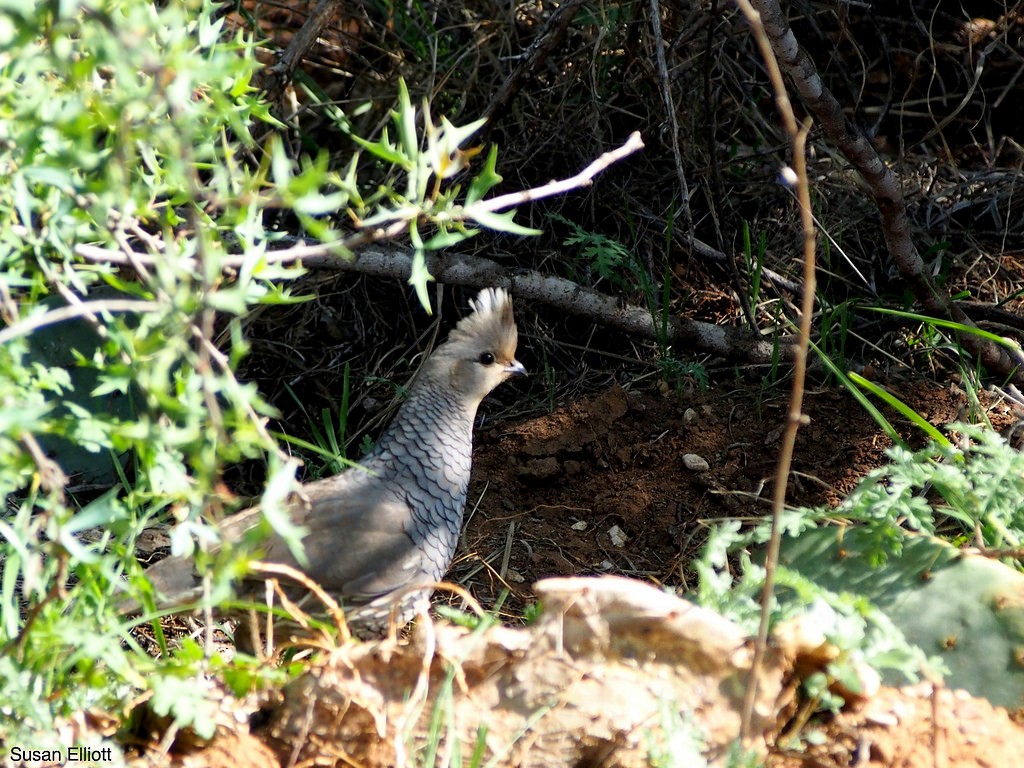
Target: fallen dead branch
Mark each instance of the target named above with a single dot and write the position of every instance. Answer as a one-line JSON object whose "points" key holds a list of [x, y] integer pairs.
{"points": [[392, 261]]}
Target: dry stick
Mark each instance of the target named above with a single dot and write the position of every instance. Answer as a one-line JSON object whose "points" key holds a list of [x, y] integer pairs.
{"points": [[582, 179], [798, 137], [531, 59], [333, 609], [670, 108], [714, 176], [281, 73], [392, 261], [881, 182]]}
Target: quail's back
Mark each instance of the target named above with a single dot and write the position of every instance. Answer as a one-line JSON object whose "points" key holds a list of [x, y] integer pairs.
{"points": [[377, 540]]}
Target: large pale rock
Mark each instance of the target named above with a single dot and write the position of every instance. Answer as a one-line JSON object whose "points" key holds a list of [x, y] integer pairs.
{"points": [[613, 672]]}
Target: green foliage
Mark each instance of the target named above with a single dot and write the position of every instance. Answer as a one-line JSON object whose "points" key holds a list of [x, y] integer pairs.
{"points": [[861, 632], [979, 486], [882, 593], [132, 246], [856, 385], [933, 334], [606, 258], [122, 124], [329, 437], [753, 258], [677, 372], [428, 209], [962, 609]]}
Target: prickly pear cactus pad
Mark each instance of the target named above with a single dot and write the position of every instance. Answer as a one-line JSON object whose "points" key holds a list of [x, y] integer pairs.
{"points": [[72, 345], [962, 608]]}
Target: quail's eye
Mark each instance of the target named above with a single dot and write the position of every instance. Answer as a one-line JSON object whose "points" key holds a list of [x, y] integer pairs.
{"points": [[487, 358]]}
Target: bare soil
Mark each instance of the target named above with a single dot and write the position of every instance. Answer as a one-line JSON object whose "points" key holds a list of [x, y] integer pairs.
{"points": [[602, 485]]}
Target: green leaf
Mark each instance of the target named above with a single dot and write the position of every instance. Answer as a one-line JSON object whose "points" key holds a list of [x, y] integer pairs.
{"points": [[385, 150], [446, 239], [419, 278], [455, 135], [405, 121], [859, 396], [486, 179], [909, 413], [500, 222], [186, 702], [951, 325], [274, 506]]}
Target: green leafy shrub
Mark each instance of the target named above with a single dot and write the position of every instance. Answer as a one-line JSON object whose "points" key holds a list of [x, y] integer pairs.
{"points": [[137, 161], [884, 591]]}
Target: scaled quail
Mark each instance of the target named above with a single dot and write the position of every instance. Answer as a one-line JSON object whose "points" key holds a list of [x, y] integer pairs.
{"points": [[377, 532]]}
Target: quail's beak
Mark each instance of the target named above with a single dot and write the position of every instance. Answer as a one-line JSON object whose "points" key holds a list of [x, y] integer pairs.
{"points": [[515, 368]]}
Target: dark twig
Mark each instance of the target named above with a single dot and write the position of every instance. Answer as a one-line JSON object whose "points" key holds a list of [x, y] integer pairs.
{"points": [[673, 117], [280, 75], [714, 178], [883, 185], [530, 60]]}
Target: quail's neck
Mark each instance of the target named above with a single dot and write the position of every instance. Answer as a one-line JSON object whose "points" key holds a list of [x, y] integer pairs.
{"points": [[431, 439]]}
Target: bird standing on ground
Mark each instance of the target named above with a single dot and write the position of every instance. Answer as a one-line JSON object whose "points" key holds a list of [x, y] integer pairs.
{"points": [[380, 535]]}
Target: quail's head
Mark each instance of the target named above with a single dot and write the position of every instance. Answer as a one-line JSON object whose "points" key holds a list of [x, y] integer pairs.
{"points": [[481, 351]]}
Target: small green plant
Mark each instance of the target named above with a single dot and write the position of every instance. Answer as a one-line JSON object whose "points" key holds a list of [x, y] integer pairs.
{"points": [[679, 372], [834, 331], [860, 631], [532, 612], [980, 486], [329, 437], [857, 385], [602, 256], [753, 258]]}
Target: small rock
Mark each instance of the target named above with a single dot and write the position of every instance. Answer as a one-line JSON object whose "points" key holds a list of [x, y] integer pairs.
{"points": [[540, 469], [689, 417], [515, 576], [606, 565], [617, 535], [695, 463], [580, 525]]}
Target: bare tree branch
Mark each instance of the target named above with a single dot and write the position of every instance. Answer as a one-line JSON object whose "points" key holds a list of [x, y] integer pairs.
{"points": [[881, 182], [531, 59], [582, 179], [392, 261], [280, 75]]}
